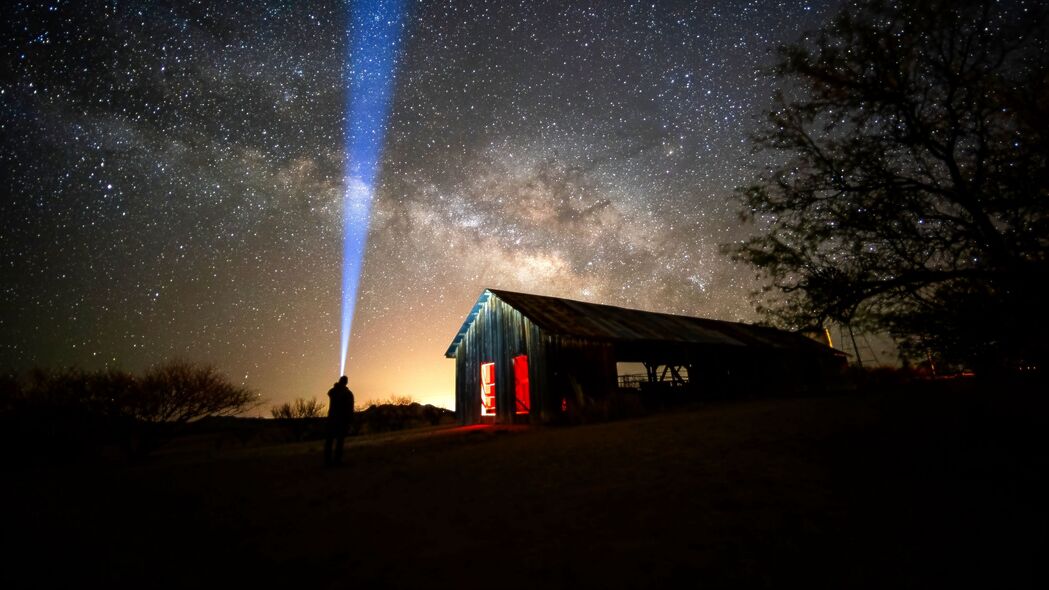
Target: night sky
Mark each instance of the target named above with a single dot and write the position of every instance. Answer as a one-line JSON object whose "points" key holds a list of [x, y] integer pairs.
{"points": [[174, 175]]}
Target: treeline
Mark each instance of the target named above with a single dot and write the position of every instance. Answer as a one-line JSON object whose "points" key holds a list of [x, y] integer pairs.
{"points": [[67, 414], [303, 419]]}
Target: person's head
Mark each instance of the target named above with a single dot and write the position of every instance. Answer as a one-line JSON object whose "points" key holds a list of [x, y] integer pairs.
{"points": [[343, 380]]}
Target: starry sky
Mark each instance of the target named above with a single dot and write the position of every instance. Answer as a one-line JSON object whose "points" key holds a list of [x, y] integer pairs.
{"points": [[174, 175]]}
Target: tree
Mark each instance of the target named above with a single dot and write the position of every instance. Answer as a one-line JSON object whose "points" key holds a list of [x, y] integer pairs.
{"points": [[66, 412], [63, 414], [912, 196]]}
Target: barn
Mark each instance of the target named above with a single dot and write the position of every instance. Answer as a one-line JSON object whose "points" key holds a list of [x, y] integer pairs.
{"points": [[529, 358]]}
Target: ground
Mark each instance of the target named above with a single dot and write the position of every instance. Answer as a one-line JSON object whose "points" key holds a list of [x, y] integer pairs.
{"points": [[901, 488]]}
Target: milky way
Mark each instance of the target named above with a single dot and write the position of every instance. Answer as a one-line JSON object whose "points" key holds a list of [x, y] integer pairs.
{"points": [[175, 175]]}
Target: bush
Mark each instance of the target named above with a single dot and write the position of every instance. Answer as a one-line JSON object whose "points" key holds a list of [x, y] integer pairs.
{"points": [[300, 408], [61, 414], [300, 418], [170, 395], [179, 391]]}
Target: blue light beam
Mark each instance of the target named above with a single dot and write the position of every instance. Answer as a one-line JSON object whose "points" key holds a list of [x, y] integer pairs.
{"points": [[374, 39]]}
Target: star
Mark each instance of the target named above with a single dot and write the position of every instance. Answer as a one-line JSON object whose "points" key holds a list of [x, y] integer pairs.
{"points": [[176, 178]]}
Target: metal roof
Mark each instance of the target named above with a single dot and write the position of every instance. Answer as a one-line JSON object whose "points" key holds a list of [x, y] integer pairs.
{"points": [[567, 317]]}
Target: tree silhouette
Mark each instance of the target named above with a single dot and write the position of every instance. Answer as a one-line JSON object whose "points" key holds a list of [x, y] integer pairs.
{"points": [[912, 195], [67, 412]]}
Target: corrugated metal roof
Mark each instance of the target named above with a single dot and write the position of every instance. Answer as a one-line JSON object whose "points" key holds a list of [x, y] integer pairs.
{"points": [[606, 322]]}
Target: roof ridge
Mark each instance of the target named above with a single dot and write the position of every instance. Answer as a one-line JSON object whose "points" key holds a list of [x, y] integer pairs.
{"points": [[600, 321]]}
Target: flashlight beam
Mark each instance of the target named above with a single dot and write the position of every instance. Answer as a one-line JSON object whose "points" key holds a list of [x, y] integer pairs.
{"points": [[375, 35]]}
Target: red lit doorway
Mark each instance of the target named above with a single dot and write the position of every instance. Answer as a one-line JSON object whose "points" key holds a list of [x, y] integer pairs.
{"points": [[522, 395], [488, 389]]}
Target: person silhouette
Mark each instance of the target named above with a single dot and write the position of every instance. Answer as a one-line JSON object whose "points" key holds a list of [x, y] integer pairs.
{"points": [[340, 414]]}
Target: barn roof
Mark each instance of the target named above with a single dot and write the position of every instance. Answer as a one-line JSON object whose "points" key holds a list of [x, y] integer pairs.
{"points": [[567, 317]]}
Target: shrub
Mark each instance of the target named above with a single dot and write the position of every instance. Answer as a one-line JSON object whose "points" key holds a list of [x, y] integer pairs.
{"points": [[300, 408], [179, 391], [301, 418], [62, 413]]}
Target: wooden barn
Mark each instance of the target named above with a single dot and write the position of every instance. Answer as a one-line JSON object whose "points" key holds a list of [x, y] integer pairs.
{"points": [[530, 358]]}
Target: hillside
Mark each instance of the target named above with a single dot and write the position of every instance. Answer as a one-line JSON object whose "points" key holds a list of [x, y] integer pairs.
{"points": [[911, 488]]}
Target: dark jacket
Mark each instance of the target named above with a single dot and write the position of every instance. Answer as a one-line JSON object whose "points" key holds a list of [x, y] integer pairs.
{"points": [[340, 404]]}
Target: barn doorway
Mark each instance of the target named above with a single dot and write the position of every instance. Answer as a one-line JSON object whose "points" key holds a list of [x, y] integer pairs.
{"points": [[522, 392], [488, 389]]}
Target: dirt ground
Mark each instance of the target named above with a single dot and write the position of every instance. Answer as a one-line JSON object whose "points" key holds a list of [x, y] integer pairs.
{"points": [[898, 489]]}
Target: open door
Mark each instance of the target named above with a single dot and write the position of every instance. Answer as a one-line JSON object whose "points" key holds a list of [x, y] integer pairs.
{"points": [[522, 394], [488, 389]]}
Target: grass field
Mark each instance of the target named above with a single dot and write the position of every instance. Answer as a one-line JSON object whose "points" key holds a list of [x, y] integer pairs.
{"points": [[899, 489]]}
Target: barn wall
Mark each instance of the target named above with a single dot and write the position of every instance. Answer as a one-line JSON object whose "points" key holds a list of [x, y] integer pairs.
{"points": [[498, 334], [579, 374]]}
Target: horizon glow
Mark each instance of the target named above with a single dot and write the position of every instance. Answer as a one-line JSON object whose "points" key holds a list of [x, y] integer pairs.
{"points": [[374, 40]]}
